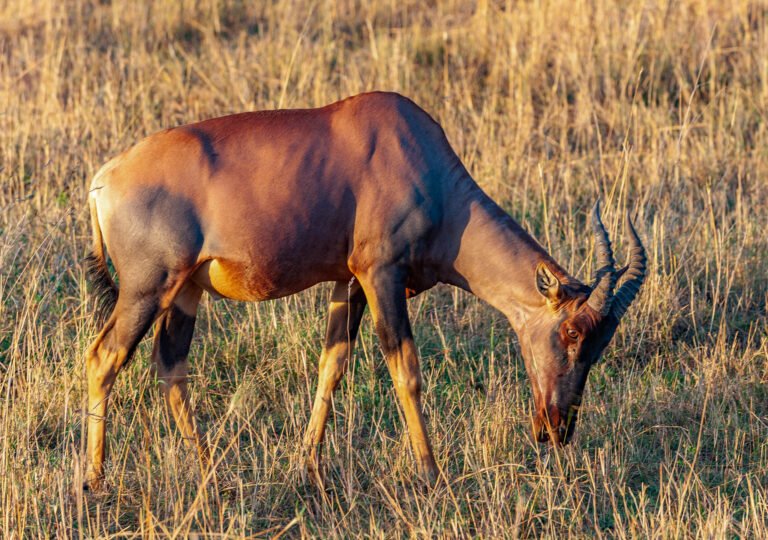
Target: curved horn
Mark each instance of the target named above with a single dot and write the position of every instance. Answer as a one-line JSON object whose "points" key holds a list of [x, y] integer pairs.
{"points": [[635, 273], [605, 280]]}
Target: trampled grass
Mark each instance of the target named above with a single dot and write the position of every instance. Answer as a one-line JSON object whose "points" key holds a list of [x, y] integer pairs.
{"points": [[651, 105]]}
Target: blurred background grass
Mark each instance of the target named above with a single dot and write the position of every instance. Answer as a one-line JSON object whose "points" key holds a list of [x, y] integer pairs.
{"points": [[654, 106]]}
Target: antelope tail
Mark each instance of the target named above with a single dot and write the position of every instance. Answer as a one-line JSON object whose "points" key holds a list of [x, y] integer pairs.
{"points": [[104, 287]]}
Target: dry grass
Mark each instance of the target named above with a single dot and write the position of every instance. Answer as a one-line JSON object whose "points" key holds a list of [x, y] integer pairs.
{"points": [[654, 105]]}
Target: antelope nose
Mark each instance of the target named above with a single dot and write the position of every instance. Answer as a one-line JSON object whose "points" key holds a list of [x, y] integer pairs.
{"points": [[547, 428], [559, 431], [568, 424]]}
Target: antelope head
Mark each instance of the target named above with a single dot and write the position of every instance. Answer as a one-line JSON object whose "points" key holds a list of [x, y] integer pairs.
{"points": [[566, 336]]}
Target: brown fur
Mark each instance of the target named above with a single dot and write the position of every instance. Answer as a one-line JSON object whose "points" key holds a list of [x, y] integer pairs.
{"points": [[366, 192]]}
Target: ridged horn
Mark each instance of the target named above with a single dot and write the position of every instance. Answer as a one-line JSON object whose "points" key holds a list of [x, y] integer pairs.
{"points": [[601, 297], [635, 273]]}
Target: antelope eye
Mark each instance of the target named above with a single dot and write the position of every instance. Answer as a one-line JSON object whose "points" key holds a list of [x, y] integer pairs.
{"points": [[573, 334]]}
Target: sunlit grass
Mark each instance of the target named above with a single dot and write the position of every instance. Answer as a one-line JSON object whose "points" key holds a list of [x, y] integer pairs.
{"points": [[652, 106]]}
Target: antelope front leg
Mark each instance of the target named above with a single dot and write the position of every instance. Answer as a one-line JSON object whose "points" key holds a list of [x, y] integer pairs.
{"points": [[385, 291], [346, 310]]}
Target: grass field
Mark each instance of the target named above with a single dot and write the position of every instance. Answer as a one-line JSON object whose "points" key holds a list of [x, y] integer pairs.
{"points": [[658, 106]]}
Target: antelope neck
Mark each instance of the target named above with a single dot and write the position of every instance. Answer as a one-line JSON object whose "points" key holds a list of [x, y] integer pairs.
{"points": [[497, 259]]}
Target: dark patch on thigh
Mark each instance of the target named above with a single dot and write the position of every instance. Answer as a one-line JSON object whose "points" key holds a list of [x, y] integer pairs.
{"points": [[174, 337], [153, 235]]}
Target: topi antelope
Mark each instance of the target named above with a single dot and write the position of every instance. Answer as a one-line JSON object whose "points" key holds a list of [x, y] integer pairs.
{"points": [[367, 193]]}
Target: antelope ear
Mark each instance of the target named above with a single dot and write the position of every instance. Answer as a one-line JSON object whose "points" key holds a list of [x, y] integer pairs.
{"points": [[548, 284]]}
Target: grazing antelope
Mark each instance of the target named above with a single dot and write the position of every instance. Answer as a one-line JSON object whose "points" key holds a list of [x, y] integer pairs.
{"points": [[260, 205]]}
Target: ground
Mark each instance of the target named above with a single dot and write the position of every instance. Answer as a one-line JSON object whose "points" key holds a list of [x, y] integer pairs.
{"points": [[653, 106]]}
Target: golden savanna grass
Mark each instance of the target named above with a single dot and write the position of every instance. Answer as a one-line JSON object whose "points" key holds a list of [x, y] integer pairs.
{"points": [[657, 106]]}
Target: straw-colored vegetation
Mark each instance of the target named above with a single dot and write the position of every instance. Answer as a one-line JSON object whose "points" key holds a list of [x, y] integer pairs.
{"points": [[653, 105]]}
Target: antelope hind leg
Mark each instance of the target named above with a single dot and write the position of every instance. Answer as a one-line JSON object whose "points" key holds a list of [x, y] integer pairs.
{"points": [[105, 357], [173, 336]]}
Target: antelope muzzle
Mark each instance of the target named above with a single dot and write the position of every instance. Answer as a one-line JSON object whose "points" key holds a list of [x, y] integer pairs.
{"points": [[555, 426]]}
